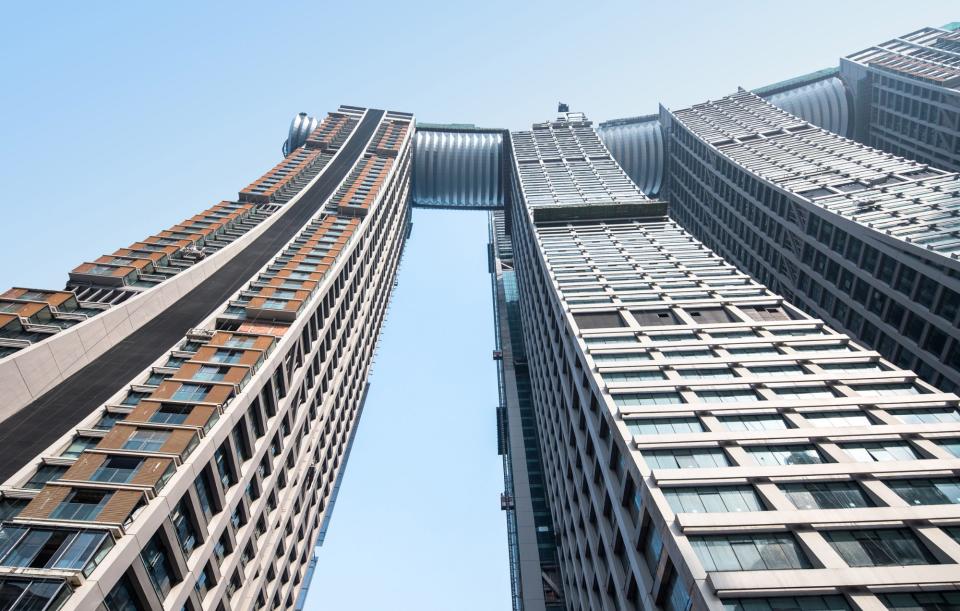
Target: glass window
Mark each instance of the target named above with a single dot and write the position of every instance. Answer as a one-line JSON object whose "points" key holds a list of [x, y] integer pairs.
{"points": [[227, 356], [202, 485], [837, 418], [787, 603], [43, 548], [652, 548], [78, 445], [122, 597], [664, 426], [171, 413], [146, 440], [800, 454], [648, 398], [776, 371], [45, 473], [707, 373], [157, 562], [190, 392], [678, 594], [754, 422], [761, 552], [879, 547], [633, 376], [826, 495], [922, 601], [224, 467], [881, 390], [804, 392], [118, 469], [850, 367], [927, 416], [944, 491], [692, 458], [880, 451], [81, 504], [713, 499], [183, 524], [728, 395], [210, 373]]}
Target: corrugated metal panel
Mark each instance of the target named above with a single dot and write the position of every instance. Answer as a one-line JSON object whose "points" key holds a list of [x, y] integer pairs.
{"points": [[458, 169], [823, 103], [638, 148]]}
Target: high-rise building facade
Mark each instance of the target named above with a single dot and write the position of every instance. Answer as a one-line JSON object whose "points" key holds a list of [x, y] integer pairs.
{"points": [[705, 443], [726, 344], [193, 464], [868, 241]]}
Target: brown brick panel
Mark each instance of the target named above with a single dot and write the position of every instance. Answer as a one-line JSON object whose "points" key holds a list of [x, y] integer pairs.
{"points": [[151, 471], [86, 464], [45, 502], [120, 506], [178, 442], [275, 329], [115, 437]]}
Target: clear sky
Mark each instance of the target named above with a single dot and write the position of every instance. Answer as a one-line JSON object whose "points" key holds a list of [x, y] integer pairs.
{"points": [[121, 119]]}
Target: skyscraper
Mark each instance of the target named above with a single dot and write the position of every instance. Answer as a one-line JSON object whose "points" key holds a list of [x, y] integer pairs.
{"points": [[726, 345], [190, 459]]}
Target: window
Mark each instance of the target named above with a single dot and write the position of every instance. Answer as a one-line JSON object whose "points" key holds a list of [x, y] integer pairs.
{"points": [[787, 603], [240, 342], [664, 426], [927, 491], [45, 473], [678, 595], [183, 524], [210, 373], [728, 395], [758, 422], [117, 469], [850, 367], [762, 552], [837, 418], [882, 390], [190, 392], [776, 371], [135, 396], [652, 548], [952, 446], [804, 392], [826, 495], [633, 376], [202, 485], [146, 440], [648, 398], [693, 458], [45, 548], [753, 351], [227, 356], [927, 416], [224, 466], [687, 355], [157, 562], [713, 373], [107, 421], [81, 504], [171, 413], [614, 357], [800, 454], [879, 547], [122, 597], [880, 451], [922, 601], [713, 499], [78, 445]]}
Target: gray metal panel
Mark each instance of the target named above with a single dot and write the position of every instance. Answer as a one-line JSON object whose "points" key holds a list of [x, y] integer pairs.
{"points": [[823, 103], [458, 169], [638, 148]]}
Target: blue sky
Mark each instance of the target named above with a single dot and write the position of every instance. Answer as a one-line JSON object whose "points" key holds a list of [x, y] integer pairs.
{"points": [[121, 119]]}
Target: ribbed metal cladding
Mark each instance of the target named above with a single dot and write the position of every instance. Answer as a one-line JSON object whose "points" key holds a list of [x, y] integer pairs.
{"points": [[458, 169], [823, 103], [638, 148]]}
